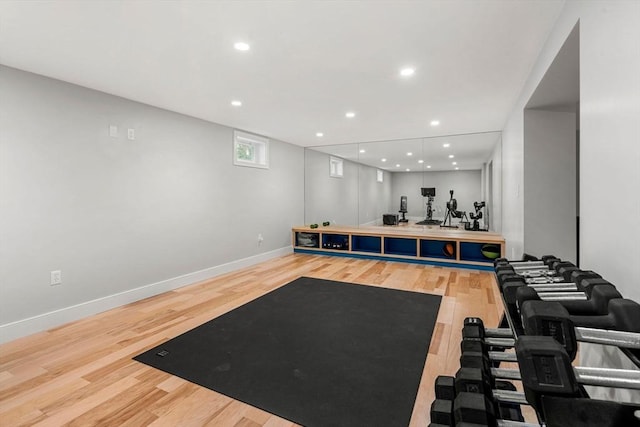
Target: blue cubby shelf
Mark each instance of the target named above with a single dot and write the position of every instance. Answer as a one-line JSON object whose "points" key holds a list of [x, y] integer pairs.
{"points": [[339, 242], [472, 251], [438, 249], [400, 246], [370, 244], [443, 263]]}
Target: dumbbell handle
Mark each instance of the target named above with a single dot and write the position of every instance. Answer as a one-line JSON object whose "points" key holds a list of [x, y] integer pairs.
{"points": [[562, 296], [608, 337], [509, 423], [618, 378], [523, 268], [553, 287], [503, 337], [519, 263], [509, 396]]}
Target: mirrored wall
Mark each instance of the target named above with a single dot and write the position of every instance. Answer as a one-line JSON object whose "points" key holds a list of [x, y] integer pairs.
{"points": [[356, 184]]}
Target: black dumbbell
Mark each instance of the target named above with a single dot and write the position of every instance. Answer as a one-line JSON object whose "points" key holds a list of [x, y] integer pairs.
{"points": [[525, 258], [445, 395], [546, 370], [619, 327], [596, 304], [476, 410], [557, 292]]}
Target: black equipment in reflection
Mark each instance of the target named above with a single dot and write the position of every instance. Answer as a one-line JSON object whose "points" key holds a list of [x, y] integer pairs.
{"points": [[430, 193], [476, 217], [453, 212], [403, 208]]}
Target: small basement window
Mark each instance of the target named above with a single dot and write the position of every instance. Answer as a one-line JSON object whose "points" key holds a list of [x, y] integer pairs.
{"points": [[250, 150], [336, 167]]}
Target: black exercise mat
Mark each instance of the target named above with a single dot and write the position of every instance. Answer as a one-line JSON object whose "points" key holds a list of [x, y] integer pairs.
{"points": [[316, 352]]}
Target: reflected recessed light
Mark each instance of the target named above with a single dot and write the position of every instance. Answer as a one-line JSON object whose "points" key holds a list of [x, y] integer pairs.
{"points": [[319, 134], [398, 165], [350, 114], [406, 72], [408, 170], [454, 163], [420, 161], [451, 156], [236, 103], [362, 150], [457, 168], [409, 153], [428, 166], [434, 122], [383, 160], [446, 145], [241, 46]]}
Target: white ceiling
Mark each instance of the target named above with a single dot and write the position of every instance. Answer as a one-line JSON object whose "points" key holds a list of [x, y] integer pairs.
{"points": [[309, 62]]}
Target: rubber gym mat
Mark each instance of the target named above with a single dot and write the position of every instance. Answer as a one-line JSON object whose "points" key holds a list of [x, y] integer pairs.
{"points": [[316, 352]]}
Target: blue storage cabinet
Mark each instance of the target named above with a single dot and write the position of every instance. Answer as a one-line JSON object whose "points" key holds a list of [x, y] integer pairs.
{"points": [[371, 244], [335, 241], [400, 246], [479, 252], [443, 249]]}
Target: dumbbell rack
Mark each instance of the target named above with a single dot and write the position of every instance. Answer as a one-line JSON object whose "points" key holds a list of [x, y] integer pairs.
{"points": [[553, 410], [599, 412]]}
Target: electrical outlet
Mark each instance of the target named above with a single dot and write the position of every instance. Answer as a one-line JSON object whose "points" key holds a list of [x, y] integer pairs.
{"points": [[113, 131], [131, 134], [260, 239], [56, 277]]}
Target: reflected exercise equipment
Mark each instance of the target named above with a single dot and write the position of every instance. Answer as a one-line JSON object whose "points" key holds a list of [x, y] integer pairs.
{"points": [[453, 212], [403, 208], [476, 217], [429, 193]]}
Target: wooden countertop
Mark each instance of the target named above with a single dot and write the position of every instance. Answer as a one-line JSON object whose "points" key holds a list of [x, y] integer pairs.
{"points": [[409, 230]]}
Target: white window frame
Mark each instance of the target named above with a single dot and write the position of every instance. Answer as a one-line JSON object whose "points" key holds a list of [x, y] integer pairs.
{"points": [[336, 167], [379, 175], [260, 146]]}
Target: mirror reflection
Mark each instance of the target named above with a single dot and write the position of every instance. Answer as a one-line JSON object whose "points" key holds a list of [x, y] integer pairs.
{"points": [[449, 181]]}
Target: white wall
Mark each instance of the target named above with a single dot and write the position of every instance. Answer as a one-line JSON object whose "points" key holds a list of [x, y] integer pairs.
{"points": [[374, 198], [550, 183], [467, 186], [329, 198], [355, 199], [609, 142], [117, 215]]}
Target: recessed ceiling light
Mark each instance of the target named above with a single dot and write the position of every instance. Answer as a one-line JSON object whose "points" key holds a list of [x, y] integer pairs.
{"points": [[409, 153], [350, 114], [241, 46], [236, 103], [383, 160], [446, 145], [451, 156], [454, 163], [420, 161], [319, 134], [408, 170], [434, 122], [398, 165], [362, 150], [428, 166], [457, 168], [408, 71]]}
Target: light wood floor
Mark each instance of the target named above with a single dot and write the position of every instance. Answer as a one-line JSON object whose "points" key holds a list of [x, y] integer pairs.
{"points": [[82, 373]]}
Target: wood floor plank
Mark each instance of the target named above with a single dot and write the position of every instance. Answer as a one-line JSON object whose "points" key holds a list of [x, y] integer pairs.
{"points": [[82, 373]]}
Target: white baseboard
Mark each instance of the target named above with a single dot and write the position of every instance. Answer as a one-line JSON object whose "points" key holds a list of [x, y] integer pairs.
{"points": [[52, 319]]}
